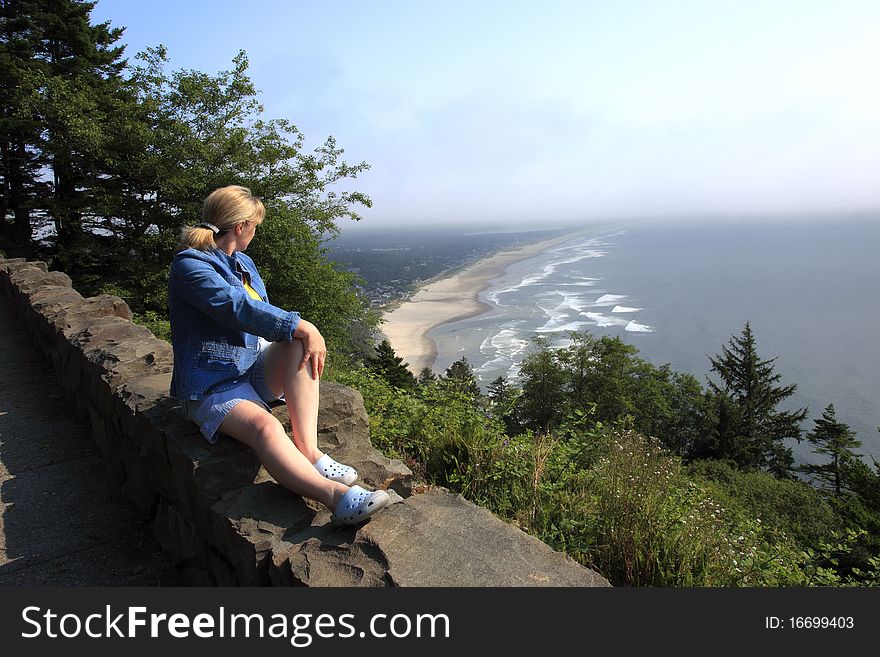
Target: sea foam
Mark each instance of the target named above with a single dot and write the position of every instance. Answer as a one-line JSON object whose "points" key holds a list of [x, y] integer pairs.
{"points": [[602, 321], [638, 328], [609, 299]]}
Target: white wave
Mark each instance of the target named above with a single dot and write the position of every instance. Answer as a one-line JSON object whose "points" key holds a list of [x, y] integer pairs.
{"points": [[570, 301], [576, 303], [491, 365], [604, 320], [609, 299], [565, 255], [559, 314], [625, 309], [507, 343], [503, 344], [638, 328], [549, 269], [513, 371], [495, 296], [559, 327]]}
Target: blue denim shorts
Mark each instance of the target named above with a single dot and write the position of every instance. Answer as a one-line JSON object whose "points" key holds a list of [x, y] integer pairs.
{"points": [[210, 411]]}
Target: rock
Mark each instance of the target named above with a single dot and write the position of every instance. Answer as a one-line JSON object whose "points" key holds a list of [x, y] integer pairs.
{"points": [[30, 280], [434, 539], [250, 522]]}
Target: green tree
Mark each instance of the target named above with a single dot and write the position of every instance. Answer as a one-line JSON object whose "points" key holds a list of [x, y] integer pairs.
{"points": [[391, 367], [64, 80], [606, 377], [542, 404], [460, 377], [835, 440], [19, 128], [499, 391], [859, 505], [503, 400], [609, 378], [426, 376], [685, 425], [751, 430]]}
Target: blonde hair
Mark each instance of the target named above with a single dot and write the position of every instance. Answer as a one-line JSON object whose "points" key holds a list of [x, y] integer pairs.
{"points": [[224, 208]]}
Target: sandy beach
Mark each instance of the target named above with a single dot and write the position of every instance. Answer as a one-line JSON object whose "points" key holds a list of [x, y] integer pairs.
{"points": [[448, 300]]}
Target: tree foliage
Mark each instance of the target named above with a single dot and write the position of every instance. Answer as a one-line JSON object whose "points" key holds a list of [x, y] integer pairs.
{"points": [[749, 429], [604, 376], [64, 78], [387, 364], [460, 377], [541, 403], [836, 441]]}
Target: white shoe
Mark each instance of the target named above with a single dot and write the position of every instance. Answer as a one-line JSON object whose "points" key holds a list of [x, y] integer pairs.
{"points": [[335, 471], [357, 505]]}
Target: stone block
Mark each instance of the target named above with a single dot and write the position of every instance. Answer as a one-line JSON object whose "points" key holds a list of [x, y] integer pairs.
{"points": [[103, 428], [316, 562], [176, 534], [137, 484], [30, 280], [253, 520]]}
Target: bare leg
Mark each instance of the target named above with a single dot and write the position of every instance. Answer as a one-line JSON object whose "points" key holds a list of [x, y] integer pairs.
{"points": [[301, 392], [258, 429]]}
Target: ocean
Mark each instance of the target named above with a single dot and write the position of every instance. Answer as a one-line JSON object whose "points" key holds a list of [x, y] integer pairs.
{"points": [[678, 292]]}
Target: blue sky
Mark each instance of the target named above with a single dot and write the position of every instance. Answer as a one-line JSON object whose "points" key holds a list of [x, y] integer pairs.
{"points": [[556, 112]]}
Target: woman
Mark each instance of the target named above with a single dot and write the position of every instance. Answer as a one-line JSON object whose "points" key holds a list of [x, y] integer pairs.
{"points": [[234, 353]]}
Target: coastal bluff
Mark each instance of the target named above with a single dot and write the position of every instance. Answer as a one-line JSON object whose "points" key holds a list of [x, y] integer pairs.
{"points": [[216, 512]]}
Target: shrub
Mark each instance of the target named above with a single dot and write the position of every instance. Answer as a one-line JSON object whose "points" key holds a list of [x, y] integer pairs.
{"points": [[786, 506]]}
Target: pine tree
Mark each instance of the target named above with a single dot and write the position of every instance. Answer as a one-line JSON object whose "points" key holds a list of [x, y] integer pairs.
{"points": [[391, 367], [20, 128], [426, 376], [503, 400], [753, 430], [499, 391], [66, 84], [460, 377], [837, 441]]}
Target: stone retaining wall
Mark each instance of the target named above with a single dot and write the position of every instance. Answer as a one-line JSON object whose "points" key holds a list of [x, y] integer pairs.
{"points": [[217, 513]]}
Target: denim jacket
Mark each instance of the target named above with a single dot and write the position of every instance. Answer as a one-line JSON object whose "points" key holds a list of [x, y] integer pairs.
{"points": [[215, 324]]}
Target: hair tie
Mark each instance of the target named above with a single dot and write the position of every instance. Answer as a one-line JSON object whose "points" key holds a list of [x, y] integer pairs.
{"points": [[210, 227]]}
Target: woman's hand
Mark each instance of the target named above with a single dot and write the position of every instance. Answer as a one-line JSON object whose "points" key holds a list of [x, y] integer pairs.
{"points": [[314, 347]]}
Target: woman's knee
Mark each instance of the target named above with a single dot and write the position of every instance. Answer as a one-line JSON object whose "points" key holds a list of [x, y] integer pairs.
{"points": [[281, 357], [268, 431]]}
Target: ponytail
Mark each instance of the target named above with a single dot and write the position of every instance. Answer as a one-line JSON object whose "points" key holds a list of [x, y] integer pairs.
{"points": [[197, 237]]}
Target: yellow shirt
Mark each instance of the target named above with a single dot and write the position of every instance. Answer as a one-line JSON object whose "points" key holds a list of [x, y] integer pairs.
{"points": [[246, 279], [251, 291]]}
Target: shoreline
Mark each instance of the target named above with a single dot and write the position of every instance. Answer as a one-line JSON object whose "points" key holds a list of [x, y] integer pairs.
{"points": [[450, 298]]}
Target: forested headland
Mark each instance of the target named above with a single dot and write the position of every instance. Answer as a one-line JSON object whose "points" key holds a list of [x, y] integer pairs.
{"points": [[644, 473]]}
